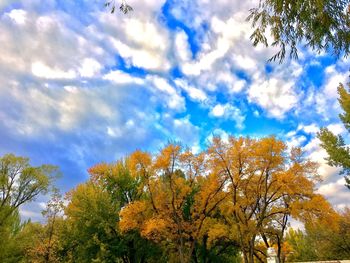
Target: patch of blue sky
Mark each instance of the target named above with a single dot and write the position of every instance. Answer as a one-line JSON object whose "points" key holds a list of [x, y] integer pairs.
{"points": [[127, 67], [176, 72], [268, 68], [313, 71], [10, 6], [172, 23]]}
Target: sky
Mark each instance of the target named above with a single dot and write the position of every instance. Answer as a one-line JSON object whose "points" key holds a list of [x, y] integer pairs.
{"points": [[79, 85]]}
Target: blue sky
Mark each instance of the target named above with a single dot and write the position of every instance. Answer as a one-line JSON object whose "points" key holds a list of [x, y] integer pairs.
{"points": [[79, 85]]}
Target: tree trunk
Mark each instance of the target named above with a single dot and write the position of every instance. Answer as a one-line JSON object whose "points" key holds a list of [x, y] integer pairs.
{"points": [[251, 250]]}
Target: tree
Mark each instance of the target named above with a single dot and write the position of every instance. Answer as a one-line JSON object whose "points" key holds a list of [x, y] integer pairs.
{"points": [[92, 216], [47, 249], [321, 25], [180, 205], [302, 246], [242, 191], [124, 7], [325, 237], [266, 184], [338, 151], [11, 251], [21, 183]]}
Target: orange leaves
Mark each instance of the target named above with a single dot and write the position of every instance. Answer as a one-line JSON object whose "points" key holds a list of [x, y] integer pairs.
{"points": [[179, 198], [133, 216], [237, 190], [98, 171], [216, 232], [210, 195], [265, 182], [192, 165], [316, 210], [155, 229], [140, 163], [167, 158]]}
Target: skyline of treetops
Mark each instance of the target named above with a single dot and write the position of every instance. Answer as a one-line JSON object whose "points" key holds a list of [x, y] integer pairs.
{"points": [[174, 131]]}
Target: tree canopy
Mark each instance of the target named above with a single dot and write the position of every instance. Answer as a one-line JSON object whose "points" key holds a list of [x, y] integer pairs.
{"points": [[338, 151], [21, 183], [320, 25], [227, 203]]}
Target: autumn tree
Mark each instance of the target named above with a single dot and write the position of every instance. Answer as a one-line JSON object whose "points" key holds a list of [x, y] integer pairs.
{"points": [[21, 183], [338, 151], [180, 205], [30, 242], [92, 231], [47, 250], [326, 236], [266, 183]]}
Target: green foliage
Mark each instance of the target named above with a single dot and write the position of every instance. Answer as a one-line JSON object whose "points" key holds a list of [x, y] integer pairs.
{"points": [[322, 25], [92, 233], [338, 152], [21, 183], [321, 241], [177, 206], [8, 230], [303, 246], [124, 7]]}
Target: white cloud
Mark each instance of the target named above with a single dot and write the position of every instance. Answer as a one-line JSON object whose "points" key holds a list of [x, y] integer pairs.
{"points": [[218, 133], [114, 132], [326, 98], [18, 16], [140, 40], [182, 46], [193, 93], [274, 95], [228, 111], [336, 192], [333, 185], [310, 129], [121, 77], [141, 58], [296, 141], [319, 155], [163, 85], [336, 128], [173, 98], [90, 68], [218, 110], [43, 71], [185, 131], [145, 34]]}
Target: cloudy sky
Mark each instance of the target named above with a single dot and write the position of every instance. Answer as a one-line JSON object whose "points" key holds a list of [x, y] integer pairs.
{"points": [[79, 85]]}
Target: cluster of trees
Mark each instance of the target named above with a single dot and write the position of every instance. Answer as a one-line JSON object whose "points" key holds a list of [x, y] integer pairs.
{"points": [[321, 241], [228, 203]]}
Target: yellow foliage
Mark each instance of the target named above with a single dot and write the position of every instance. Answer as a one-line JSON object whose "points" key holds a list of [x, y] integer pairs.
{"points": [[154, 228], [140, 163], [216, 232], [133, 216]]}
